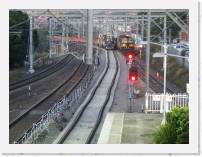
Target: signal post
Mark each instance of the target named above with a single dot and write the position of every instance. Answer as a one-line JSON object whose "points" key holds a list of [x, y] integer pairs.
{"points": [[132, 78]]}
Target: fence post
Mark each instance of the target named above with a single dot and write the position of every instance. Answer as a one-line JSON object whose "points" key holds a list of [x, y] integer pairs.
{"points": [[146, 103], [34, 131], [167, 106], [37, 128], [64, 100], [25, 136], [161, 103]]}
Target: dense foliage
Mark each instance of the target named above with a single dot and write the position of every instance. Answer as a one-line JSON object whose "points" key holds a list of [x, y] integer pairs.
{"points": [[18, 38], [43, 45], [176, 73], [157, 34], [176, 129], [35, 40]]}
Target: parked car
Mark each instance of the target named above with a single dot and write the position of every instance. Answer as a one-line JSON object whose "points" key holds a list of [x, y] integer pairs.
{"points": [[185, 52], [180, 47]]}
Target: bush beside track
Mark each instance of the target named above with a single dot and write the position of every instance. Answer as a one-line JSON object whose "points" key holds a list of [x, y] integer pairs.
{"points": [[176, 74]]}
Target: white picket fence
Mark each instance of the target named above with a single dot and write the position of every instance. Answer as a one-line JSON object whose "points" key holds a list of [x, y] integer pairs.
{"points": [[64, 104], [154, 102]]}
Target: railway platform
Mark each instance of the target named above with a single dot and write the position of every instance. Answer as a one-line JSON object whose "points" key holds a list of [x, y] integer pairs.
{"points": [[90, 111], [120, 101], [129, 128], [101, 84], [120, 104], [54, 128]]}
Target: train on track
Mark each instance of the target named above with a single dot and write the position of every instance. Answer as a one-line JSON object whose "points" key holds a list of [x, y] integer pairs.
{"points": [[123, 42], [107, 41]]}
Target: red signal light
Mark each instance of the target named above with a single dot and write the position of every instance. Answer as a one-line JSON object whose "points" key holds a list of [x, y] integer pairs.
{"points": [[130, 56], [133, 78], [133, 74]]}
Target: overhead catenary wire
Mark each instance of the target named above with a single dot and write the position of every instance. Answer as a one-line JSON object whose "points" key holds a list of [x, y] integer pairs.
{"points": [[27, 20], [16, 25], [158, 35], [61, 21]]}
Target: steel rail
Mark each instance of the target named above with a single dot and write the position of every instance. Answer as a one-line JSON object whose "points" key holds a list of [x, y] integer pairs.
{"points": [[101, 112], [155, 82], [74, 121], [41, 74], [19, 117], [70, 90], [61, 138], [71, 81]]}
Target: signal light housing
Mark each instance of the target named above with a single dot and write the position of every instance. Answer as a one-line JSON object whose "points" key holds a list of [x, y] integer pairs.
{"points": [[133, 74], [130, 56], [133, 78]]}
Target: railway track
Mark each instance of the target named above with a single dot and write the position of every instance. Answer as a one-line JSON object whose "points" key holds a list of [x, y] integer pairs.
{"points": [[85, 121], [21, 99], [25, 120], [155, 84], [41, 74], [48, 70]]}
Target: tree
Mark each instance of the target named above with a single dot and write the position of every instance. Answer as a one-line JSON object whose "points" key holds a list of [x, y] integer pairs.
{"points": [[176, 130], [43, 45], [175, 29], [18, 42], [35, 40]]}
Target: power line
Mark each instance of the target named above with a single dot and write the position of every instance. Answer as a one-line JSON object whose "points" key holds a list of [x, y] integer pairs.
{"points": [[13, 26], [158, 35]]}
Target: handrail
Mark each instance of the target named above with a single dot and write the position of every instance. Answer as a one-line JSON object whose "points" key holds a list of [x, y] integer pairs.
{"points": [[32, 133]]}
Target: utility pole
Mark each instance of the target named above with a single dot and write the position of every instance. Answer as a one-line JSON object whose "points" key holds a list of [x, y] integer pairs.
{"points": [[31, 70], [99, 32], [53, 45], [67, 33], [79, 31], [83, 26], [137, 27], [169, 37], [63, 36], [165, 67], [50, 37], [148, 49], [125, 24], [142, 28], [89, 59]]}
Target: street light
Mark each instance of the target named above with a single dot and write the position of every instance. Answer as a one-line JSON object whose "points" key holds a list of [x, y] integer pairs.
{"points": [[160, 55], [164, 55], [31, 69]]}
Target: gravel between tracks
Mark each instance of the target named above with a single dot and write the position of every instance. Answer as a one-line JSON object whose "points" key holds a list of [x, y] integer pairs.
{"points": [[17, 130], [49, 135], [20, 100]]}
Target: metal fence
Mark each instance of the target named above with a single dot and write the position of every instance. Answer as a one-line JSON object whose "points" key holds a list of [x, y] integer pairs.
{"points": [[64, 104], [154, 102]]}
